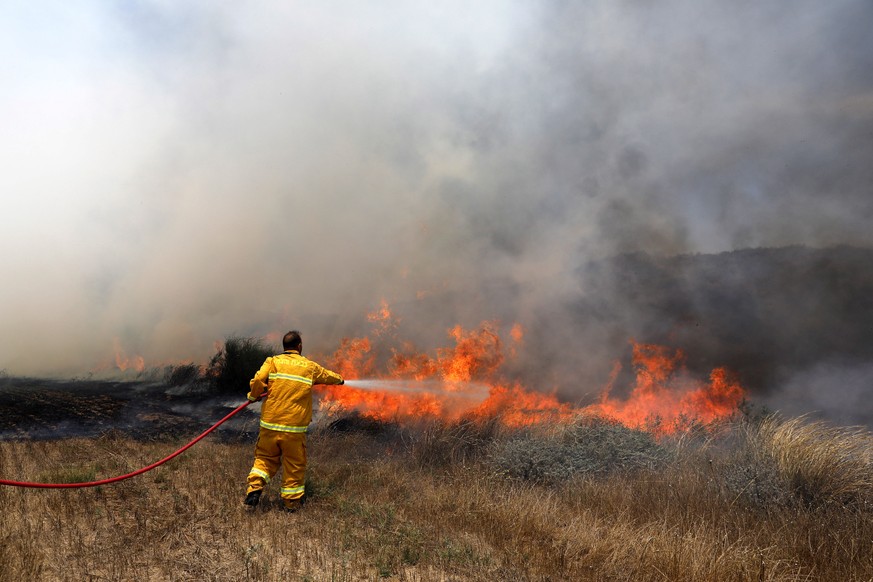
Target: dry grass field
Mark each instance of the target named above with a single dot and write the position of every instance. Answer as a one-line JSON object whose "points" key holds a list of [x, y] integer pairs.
{"points": [[765, 500]]}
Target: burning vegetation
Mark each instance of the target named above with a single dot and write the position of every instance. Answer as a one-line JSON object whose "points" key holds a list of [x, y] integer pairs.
{"points": [[389, 379], [465, 381]]}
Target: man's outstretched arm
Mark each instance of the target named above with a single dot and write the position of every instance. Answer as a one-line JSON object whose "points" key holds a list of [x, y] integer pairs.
{"points": [[325, 376]]}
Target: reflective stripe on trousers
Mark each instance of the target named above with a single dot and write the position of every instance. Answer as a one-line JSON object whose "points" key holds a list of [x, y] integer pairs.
{"points": [[259, 473], [275, 447]]}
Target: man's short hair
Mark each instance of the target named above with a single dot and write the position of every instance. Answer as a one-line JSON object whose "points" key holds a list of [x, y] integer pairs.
{"points": [[292, 340]]}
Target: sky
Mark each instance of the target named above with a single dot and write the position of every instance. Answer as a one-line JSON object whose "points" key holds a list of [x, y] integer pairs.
{"points": [[174, 173]]}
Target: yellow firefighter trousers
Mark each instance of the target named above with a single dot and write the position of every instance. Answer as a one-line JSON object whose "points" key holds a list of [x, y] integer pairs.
{"points": [[275, 446]]}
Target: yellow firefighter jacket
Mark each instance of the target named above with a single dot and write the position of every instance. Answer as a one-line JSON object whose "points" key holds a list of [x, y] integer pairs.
{"points": [[289, 378]]}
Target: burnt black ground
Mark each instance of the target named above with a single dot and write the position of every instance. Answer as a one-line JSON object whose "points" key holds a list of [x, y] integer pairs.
{"points": [[33, 408]]}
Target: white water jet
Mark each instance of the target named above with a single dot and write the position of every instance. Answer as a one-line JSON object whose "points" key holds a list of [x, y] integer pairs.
{"points": [[477, 390]]}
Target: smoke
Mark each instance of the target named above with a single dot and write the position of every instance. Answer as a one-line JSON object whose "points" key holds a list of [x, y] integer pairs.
{"points": [[175, 173], [835, 391]]}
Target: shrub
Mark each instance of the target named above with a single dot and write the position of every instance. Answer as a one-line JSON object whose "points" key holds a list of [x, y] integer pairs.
{"points": [[592, 446], [231, 369], [74, 474], [182, 374], [437, 443]]}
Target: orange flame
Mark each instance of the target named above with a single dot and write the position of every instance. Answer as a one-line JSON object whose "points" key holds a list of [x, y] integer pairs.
{"points": [[517, 407], [663, 398], [123, 362], [384, 319], [517, 333], [663, 395], [476, 354], [353, 359]]}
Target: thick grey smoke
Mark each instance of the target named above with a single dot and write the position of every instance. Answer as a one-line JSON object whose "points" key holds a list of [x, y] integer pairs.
{"points": [[174, 173]]}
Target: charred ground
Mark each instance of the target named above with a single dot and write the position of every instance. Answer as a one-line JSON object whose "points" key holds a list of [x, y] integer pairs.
{"points": [[33, 408]]}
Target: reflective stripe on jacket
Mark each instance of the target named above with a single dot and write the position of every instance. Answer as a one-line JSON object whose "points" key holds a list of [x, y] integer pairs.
{"points": [[289, 378]]}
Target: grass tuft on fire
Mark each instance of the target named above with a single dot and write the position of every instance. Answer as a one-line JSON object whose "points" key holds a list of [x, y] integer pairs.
{"points": [[471, 499]]}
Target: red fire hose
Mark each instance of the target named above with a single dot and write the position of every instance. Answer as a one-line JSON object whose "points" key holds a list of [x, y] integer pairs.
{"points": [[129, 475]]}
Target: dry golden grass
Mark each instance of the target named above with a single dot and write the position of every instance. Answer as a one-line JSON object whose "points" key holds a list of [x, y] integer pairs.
{"points": [[429, 504], [824, 464]]}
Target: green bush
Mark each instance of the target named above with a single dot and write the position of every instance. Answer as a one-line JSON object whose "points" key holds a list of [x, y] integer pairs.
{"points": [[73, 474], [231, 369]]}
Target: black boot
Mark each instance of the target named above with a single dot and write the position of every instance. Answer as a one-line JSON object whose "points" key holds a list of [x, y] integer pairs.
{"points": [[253, 498]]}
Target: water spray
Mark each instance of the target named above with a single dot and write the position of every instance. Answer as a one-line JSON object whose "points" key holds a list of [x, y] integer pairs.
{"points": [[473, 390]]}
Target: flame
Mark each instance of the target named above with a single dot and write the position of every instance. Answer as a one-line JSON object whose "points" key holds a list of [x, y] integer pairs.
{"points": [[516, 407], [463, 380], [123, 362], [383, 318], [391, 406], [664, 397], [408, 363], [476, 354], [353, 360]]}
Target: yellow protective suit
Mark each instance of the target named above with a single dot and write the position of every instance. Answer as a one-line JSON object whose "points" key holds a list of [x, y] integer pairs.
{"points": [[285, 415]]}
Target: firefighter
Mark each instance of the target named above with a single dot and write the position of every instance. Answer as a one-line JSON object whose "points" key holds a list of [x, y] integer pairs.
{"points": [[285, 415]]}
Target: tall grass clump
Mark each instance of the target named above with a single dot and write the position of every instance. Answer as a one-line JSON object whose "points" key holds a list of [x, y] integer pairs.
{"points": [[182, 374], [822, 464], [439, 444], [590, 446], [771, 463], [231, 368]]}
